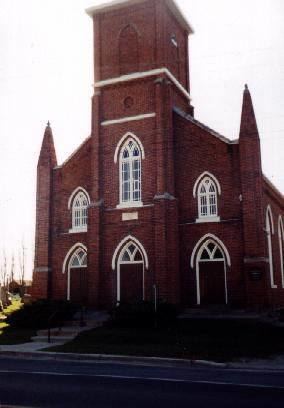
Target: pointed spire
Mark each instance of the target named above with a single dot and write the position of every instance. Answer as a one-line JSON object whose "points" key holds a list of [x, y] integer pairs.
{"points": [[47, 151], [248, 121]]}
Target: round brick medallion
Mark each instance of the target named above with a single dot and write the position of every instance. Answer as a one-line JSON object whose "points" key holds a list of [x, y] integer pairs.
{"points": [[128, 102]]}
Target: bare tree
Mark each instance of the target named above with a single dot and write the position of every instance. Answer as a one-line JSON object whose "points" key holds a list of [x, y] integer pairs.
{"points": [[4, 270], [12, 268], [22, 266]]}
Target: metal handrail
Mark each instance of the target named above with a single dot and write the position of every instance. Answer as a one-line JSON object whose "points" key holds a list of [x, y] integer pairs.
{"points": [[49, 325]]}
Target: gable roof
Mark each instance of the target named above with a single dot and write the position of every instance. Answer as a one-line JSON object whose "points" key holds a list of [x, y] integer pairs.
{"points": [[273, 188], [73, 154], [191, 119]]}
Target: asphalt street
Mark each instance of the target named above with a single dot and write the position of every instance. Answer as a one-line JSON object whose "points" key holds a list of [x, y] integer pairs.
{"points": [[52, 383]]}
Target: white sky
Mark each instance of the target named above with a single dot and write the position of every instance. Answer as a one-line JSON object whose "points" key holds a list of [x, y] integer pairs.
{"points": [[46, 74]]}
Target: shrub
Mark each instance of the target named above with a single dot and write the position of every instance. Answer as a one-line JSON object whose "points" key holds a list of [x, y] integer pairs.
{"points": [[37, 315], [166, 314], [132, 315], [143, 314]]}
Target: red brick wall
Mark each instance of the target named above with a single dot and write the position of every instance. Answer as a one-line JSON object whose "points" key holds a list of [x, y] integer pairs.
{"points": [[75, 173], [154, 24], [197, 151]]}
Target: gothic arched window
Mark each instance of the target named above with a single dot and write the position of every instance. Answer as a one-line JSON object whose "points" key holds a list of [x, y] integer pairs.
{"points": [[207, 198], [270, 232], [80, 211], [130, 173]]}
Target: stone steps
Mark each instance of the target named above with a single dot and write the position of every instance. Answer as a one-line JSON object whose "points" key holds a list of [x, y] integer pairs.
{"points": [[71, 329]]}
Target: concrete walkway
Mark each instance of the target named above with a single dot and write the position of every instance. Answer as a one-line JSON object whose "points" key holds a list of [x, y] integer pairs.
{"points": [[68, 332]]}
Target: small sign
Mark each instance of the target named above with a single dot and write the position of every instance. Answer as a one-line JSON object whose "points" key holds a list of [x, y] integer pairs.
{"points": [[255, 274], [130, 216]]}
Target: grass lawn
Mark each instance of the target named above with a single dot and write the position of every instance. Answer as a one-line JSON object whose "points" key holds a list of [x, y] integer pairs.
{"points": [[196, 339], [13, 335]]}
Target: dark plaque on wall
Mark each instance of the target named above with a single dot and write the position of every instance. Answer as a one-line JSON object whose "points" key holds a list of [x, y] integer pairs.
{"points": [[255, 274]]}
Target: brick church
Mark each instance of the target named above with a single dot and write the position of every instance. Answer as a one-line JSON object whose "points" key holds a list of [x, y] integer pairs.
{"points": [[154, 200]]}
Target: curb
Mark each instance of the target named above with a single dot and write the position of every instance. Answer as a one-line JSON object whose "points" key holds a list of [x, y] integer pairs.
{"points": [[112, 358]]}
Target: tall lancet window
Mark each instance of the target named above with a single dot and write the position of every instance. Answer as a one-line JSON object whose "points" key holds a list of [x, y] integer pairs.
{"points": [[207, 198], [130, 173], [80, 211], [270, 233], [206, 189]]}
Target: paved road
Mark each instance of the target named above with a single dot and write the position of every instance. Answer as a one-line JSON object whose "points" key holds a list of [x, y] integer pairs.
{"points": [[49, 383]]}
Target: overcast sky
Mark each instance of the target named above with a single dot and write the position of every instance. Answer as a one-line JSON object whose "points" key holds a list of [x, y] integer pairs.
{"points": [[46, 74]]}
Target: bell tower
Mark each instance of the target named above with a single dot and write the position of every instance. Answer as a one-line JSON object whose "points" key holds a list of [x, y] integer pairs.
{"points": [[141, 73], [139, 36]]}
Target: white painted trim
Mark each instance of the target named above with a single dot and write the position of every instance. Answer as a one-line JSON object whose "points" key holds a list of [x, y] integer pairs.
{"points": [[77, 190], [128, 119], [120, 246], [123, 139], [141, 75], [207, 219], [269, 214], [218, 241], [78, 230], [203, 175], [270, 231], [72, 249], [281, 247], [130, 204]]}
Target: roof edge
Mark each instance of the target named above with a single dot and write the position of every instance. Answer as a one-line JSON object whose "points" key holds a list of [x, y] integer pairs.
{"points": [[191, 119], [273, 187], [73, 153], [119, 4]]}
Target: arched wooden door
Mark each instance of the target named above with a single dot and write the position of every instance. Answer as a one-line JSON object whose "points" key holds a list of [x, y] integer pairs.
{"points": [[211, 275], [130, 274], [77, 289]]}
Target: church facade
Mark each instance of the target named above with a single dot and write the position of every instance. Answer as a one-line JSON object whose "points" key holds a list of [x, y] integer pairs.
{"points": [[153, 201]]}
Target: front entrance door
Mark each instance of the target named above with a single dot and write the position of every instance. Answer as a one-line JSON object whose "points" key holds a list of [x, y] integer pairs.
{"points": [[78, 285], [131, 283], [211, 279], [212, 283]]}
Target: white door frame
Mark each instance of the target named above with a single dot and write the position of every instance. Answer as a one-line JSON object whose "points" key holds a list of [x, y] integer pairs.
{"points": [[225, 259], [131, 262]]}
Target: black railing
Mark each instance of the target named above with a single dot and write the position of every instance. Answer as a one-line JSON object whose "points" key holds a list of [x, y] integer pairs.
{"points": [[49, 322]]}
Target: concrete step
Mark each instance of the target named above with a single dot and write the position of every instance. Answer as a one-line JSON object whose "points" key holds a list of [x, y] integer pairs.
{"points": [[69, 331], [53, 339], [87, 322]]}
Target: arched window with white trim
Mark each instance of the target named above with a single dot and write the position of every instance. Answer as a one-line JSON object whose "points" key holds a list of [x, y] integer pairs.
{"points": [[269, 233], [130, 173], [80, 212], [79, 259], [207, 189], [281, 247]]}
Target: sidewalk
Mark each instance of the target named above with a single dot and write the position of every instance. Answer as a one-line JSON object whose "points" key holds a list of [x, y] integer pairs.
{"points": [[33, 350]]}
